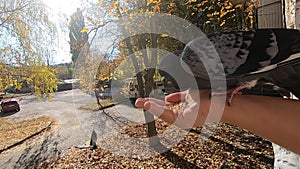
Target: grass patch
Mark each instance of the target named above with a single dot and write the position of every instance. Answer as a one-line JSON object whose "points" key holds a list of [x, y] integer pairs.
{"points": [[13, 132], [12, 95], [94, 106]]}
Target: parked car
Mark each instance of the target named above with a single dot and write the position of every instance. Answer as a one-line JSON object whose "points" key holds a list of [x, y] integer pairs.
{"points": [[130, 89], [106, 94], [9, 106]]}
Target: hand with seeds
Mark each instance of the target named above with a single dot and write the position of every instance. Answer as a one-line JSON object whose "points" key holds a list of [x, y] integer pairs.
{"points": [[276, 119], [179, 108]]}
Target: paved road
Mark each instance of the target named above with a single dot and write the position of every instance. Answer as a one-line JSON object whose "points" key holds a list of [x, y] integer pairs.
{"points": [[74, 126]]}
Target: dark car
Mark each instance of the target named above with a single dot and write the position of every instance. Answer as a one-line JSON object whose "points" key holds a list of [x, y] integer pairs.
{"points": [[9, 106], [106, 94]]}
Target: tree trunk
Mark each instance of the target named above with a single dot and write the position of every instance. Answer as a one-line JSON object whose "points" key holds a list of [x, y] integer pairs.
{"points": [[297, 17], [149, 118], [289, 8]]}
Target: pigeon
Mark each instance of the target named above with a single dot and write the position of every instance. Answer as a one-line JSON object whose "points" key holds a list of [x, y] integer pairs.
{"points": [[243, 58]]}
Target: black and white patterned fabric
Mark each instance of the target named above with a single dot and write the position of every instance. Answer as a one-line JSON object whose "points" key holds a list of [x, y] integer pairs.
{"points": [[244, 52], [285, 159], [246, 57]]}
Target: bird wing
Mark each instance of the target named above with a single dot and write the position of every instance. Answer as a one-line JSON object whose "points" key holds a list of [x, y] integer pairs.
{"points": [[287, 76], [173, 70], [239, 53]]}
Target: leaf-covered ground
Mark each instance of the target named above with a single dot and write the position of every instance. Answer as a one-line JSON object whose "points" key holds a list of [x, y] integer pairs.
{"points": [[95, 106], [227, 147], [13, 132]]}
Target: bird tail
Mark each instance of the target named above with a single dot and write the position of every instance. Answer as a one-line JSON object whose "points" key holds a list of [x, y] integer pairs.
{"points": [[288, 41], [293, 36], [296, 47]]}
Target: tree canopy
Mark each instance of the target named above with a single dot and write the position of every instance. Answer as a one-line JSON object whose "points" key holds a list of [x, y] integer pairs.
{"points": [[78, 35], [208, 15], [27, 40]]}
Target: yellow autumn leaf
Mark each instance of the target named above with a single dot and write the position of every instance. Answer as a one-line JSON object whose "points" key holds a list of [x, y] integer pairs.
{"points": [[164, 35], [172, 4], [223, 22], [212, 19], [156, 8], [228, 7], [209, 15], [89, 19], [216, 13], [149, 2], [239, 6], [84, 30], [223, 14], [116, 4]]}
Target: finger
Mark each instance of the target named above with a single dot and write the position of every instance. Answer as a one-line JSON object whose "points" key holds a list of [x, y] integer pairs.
{"points": [[163, 112], [141, 101], [183, 119], [157, 101], [175, 97]]}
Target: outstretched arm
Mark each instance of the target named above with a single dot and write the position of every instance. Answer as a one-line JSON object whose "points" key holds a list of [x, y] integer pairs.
{"points": [[275, 119]]}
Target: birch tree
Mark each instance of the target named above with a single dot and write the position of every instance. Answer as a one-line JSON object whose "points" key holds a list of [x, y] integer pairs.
{"points": [[26, 40], [289, 8]]}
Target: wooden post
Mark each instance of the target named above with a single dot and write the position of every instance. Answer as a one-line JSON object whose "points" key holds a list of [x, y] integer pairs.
{"points": [[289, 13], [297, 15]]}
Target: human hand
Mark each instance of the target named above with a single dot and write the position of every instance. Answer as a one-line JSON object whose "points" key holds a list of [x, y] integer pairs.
{"points": [[184, 109]]}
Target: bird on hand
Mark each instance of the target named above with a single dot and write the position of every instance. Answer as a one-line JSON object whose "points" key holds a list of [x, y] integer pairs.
{"points": [[244, 59]]}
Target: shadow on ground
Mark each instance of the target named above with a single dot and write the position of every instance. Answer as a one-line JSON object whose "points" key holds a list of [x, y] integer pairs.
{"points": [[34, 154], [5, 114]]}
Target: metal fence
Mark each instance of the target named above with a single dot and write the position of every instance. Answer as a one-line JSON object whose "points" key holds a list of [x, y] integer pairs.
{"points": [[270, 14]]}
